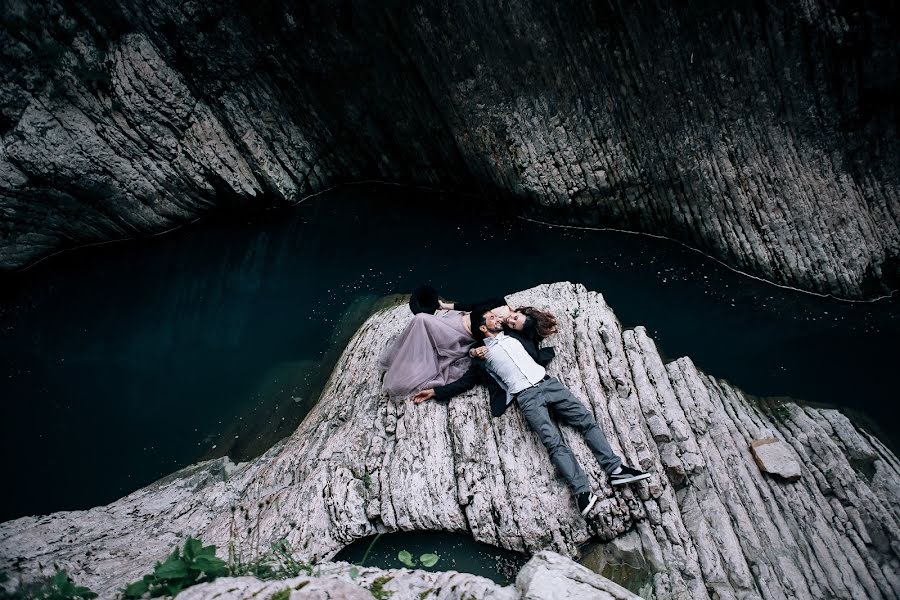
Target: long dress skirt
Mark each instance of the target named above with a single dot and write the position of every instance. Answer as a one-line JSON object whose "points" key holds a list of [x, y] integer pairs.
{"points": [[433, 350]]}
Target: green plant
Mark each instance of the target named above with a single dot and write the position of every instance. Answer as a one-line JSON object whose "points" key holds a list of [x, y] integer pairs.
{"points": [[427, 560], [57, 587], [196, 564], [281, 594], [369, 549], [406, 558], [377, 588], [278, 563]]}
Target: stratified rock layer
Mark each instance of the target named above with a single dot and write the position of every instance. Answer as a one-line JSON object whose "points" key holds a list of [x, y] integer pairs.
{"points": [[763, 133], [547, 576], [707, 524]]}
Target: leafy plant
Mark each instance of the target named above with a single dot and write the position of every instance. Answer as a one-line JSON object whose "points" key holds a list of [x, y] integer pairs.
{"points": [[281, 594], [406, 558], [57, 587], [377, 588], [278, 563], [427, 560], [196, 564]]}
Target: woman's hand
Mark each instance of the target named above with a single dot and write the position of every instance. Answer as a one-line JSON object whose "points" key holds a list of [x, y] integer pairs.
{"points": [[445, 305], [420, 397], [502, 311]]}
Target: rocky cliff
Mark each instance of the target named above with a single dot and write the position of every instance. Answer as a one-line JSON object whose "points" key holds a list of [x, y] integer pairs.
{"points": [[763, 133], [708, 524]]}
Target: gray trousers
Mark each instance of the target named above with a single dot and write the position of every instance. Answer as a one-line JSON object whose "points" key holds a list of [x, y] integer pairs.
{"points": [[536, 404]]}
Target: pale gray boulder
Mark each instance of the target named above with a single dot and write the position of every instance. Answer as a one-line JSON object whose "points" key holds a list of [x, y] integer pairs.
{"points": [[776, 458], [707, 524]]}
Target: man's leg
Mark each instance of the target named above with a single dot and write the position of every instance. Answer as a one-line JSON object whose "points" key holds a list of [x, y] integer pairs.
{"points": [[571, 411], [534, 409]]}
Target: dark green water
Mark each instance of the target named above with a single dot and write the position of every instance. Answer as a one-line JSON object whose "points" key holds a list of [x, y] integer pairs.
{"points": [[456, 552], [124, 362]]}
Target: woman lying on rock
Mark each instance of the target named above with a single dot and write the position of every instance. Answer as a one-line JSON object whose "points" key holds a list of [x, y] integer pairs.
{"points": [[514, 369], [434, 349]]}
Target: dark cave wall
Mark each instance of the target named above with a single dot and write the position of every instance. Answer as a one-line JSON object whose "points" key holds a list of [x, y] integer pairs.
{"points": [[763, 134]]}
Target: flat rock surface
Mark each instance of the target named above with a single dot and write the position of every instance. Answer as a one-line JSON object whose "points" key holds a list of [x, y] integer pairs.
{"points": [[776, 457], [707, 524]]}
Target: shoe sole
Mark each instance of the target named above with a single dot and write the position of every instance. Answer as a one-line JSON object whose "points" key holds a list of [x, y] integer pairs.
{"points": [[590, 505], [630, 479]]}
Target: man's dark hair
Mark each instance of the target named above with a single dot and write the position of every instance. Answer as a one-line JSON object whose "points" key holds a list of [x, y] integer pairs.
{"points": [[477, 322]]}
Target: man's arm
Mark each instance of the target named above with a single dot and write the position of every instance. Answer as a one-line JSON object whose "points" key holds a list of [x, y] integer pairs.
{"points": [[443, 393]]}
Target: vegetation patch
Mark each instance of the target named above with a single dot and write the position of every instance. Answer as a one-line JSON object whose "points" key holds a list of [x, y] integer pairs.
{"points": [[377, 588], [281, 594], [57, 587], [195, 564]]}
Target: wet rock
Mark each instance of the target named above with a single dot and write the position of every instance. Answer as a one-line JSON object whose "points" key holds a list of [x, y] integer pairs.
{"points": [[361, 463], [548, 576], [776, 458]]}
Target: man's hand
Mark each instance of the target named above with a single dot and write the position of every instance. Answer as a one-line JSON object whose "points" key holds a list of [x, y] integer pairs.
{"points": [[420, 397], [480, 352]]}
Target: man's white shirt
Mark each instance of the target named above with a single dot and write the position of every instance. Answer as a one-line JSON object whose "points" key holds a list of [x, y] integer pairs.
{"points": [[511, 365]]}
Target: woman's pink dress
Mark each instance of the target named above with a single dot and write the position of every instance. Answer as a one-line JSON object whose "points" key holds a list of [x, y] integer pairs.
{"points": [[433, 350]]}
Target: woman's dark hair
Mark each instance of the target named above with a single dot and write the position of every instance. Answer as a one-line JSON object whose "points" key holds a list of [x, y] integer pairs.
{"points": [[538, 321]]}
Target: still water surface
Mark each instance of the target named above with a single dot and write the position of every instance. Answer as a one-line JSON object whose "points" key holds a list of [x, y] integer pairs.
{"points": [[125, 362]]}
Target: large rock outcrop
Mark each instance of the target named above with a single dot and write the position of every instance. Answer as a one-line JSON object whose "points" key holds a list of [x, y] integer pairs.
{"points": [[764, 134], [547, 576], [708, 524]]}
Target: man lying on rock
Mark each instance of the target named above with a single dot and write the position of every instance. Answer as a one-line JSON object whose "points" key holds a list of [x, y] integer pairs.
{"points": [[515, 366]]}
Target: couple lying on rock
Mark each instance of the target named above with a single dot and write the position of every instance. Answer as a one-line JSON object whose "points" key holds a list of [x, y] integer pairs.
{"points": [[449, 348]]}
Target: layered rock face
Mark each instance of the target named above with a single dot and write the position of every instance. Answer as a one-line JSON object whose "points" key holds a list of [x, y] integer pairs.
{"points": [[707, 524], [547, 576], [764, 135]]}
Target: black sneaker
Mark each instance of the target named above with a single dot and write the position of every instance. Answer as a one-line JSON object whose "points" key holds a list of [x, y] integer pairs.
{"points": [[627, 475], [586, 502]]}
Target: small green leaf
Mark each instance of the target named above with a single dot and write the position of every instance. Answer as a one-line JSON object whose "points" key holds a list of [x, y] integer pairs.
{"points": [[60, 579], [82, 592], [428, 560], [354, 573], [137, 589], [173, 568], [212, 566], [192, 548], [406, 558]]}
